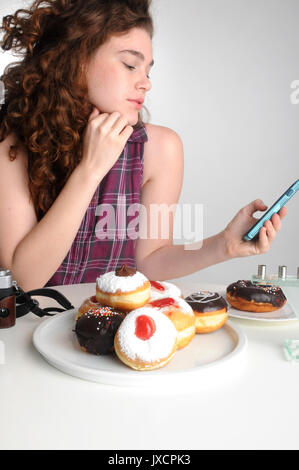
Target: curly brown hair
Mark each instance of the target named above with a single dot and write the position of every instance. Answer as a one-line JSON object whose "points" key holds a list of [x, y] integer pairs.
{"points": [[45, 102]]}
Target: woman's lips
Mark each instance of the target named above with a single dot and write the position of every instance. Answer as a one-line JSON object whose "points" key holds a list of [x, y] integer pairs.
{"points": [[136, 103]]}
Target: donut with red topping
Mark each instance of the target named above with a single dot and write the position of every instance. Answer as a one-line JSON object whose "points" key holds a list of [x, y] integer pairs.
{"points": [[181, 315], [160, 289], [146, 339]]}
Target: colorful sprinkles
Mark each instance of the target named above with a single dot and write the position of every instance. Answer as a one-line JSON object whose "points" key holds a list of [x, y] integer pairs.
{"points": [[268, 288], [102, 312]]}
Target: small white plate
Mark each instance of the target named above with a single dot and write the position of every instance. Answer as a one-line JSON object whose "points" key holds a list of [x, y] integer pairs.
{"points": [[208, 355], [283, 314]]}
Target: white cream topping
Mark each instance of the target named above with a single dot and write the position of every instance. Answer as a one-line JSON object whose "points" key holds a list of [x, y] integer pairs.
{"points": [[109, 282], [157, 347], [170, 291]]}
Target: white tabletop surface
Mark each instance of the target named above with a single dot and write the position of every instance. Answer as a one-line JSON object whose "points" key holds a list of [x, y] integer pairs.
{"points": [[256, 407]]}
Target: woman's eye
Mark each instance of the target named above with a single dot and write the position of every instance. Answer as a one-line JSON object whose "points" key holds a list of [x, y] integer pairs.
{"points": [[130, 67]]}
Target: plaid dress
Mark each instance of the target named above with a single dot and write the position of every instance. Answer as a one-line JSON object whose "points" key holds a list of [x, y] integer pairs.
{"points": [[109, 229]]}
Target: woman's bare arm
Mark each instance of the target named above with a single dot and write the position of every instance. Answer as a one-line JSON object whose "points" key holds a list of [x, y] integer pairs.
{"points": [[34, 250], [158, 258]]}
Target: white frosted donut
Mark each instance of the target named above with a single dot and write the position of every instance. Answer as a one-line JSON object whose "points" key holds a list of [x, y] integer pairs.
{"points": [[124, 288], [160, 289], [146, 354], [110, 282]]}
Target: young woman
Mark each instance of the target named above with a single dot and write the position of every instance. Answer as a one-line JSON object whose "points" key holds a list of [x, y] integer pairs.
{"points": [[73, 145]]}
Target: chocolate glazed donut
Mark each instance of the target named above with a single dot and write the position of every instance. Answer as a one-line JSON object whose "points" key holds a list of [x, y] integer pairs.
{"points": [[244, 295], [204, 301], [210, 310], [96, 329]]}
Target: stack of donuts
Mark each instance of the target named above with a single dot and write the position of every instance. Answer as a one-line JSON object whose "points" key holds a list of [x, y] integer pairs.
{"points": [[144, 322]]}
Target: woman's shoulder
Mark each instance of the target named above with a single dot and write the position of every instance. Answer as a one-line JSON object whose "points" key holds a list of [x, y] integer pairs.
{"points": [[161, 134], [163, 148]]}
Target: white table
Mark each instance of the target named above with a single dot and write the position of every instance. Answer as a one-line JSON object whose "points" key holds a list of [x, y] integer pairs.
{"points": [[43, 408]]}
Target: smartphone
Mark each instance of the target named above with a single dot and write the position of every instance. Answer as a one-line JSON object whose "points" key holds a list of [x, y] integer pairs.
{"points": [[284, 198]]}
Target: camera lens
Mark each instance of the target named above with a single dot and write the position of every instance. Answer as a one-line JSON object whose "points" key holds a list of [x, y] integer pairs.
{"points": [[5, 278], [4, 312], [6, 283], [7, 299]]}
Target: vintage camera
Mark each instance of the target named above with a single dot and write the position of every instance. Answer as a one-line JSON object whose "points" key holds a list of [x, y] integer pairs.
{"points": [[7, 299]]}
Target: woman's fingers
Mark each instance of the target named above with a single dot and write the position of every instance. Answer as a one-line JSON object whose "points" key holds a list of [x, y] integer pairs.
{"points": [[105, 137], [283, 212], [95, 112], [254, 206], [262, 243], [115, 123], [276, 222], [269, 231]]}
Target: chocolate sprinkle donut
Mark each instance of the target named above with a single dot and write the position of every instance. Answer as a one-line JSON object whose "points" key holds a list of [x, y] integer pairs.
{"points": [[96, 329], [261, 293]]}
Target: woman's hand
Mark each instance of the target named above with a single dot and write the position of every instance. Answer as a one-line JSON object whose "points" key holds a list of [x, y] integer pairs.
{"points": [[105, 137], [242, 222]]}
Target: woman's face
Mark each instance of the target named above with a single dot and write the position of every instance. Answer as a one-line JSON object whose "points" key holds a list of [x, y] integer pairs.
{"points": [[114, 77]]}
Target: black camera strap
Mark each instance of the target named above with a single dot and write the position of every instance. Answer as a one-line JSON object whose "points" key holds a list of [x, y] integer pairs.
{"points": [[25, 304]]}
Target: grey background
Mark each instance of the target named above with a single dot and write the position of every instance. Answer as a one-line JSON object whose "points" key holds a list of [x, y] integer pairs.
{"points": [[222, 80]]}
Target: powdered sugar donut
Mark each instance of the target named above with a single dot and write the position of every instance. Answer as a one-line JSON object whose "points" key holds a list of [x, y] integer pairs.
{"points": [[160, 289], [146, 339], [124, 288], [181, 315]]}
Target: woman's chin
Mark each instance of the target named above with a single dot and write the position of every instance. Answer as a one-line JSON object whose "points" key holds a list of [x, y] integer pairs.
{"points": [[132, 119]]}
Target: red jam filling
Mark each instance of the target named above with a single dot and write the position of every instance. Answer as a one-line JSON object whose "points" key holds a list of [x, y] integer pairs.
{"points": [[157, 285], [160, 303], [145, 327], [93, 299]]}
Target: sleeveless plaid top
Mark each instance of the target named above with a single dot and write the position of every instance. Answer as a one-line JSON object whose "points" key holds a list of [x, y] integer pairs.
{"points": [[109, 229]]}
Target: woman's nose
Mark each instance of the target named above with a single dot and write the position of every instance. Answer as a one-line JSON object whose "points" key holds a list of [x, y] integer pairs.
{"points": [[144, 83]]}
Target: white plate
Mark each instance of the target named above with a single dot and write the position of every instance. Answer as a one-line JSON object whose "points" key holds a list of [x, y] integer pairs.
{"points": [[283, 314], [206, 355]]}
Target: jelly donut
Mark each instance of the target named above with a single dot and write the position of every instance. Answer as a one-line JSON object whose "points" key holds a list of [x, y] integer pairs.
{"points": [[124, 288], [96, 329], [91, 302], [146, 339], [210, 310], [244, 295], [181, 315], [160, 289]]}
